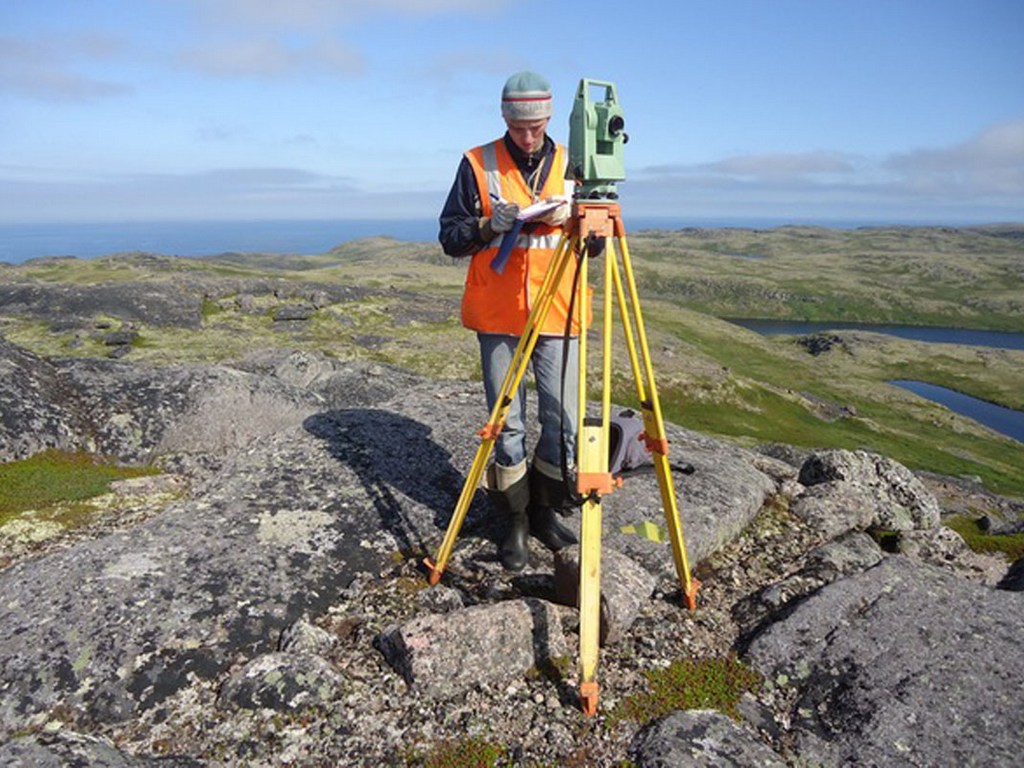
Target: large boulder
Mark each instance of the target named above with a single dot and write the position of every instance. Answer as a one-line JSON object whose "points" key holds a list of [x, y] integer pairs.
{"points": [[903, 664], [719, 488], [38, 410], [67, 749], [847, 490], [1013, 580], [442, 653], [625, 587]]}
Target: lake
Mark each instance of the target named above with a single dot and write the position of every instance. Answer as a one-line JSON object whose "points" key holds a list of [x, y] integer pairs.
{"points": [[964, 336], [1005, 420]]}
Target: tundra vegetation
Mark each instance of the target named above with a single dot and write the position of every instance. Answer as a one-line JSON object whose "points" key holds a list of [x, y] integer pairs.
{"points": [[400, 306]]}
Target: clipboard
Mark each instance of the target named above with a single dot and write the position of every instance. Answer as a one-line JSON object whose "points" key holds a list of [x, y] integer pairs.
{"points": [[529, 213]]}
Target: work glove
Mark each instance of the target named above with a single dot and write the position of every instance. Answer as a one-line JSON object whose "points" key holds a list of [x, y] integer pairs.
{"points": [[503, 216], [558, 216]]}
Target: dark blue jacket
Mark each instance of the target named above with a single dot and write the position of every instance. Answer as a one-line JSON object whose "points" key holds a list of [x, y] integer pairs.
{"points": [[460, 218]]}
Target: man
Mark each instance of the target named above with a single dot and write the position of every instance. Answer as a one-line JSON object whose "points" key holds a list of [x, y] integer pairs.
{"points": [[493, 183]]}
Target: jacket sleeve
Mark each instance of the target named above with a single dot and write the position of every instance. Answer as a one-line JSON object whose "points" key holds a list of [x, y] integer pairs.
{"points": [[460, 219]]}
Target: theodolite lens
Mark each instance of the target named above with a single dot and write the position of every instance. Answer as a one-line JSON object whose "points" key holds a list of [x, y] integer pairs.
{"points": [[615, 125]]}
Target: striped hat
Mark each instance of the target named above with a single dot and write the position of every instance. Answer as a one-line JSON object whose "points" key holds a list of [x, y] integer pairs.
{"points": [[526, 96]]}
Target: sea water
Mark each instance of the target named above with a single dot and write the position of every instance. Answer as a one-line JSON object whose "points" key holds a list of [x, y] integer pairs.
{"points": [[19, 242]]}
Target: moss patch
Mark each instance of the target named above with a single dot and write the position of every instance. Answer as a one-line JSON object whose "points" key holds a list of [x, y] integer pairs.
{"points": [[1009, 545], [462, 753], [714, 683], [54, 477]]}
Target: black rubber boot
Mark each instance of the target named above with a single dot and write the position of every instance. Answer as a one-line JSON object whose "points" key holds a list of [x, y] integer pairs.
{"points": [[515, 549], [547, 498], [512, 503]]}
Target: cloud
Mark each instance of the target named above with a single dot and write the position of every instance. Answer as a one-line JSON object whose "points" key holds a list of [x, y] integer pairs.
{"points": [[255, 38], [52, 70], [316, 14], [981, 178], [990, 163], [480, 61], [269, 57], [764, 167], [783, 166], [997, 146]]}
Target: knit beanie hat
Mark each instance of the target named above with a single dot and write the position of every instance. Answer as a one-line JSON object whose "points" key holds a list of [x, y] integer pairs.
{"points": [[526, 96]]}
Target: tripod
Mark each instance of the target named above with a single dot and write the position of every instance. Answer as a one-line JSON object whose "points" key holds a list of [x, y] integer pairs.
{"points": [[591, 221]]}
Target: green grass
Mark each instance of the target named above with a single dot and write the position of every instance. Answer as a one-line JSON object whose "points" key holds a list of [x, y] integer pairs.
{"points": [[749, 389], [461, 753], [52, 477], [713, 683], [1010, 546], [923, 276]]}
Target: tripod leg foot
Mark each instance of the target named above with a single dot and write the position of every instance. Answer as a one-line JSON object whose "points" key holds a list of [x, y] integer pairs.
{"points": [[433, 572], [588, 698], [690, 595]]}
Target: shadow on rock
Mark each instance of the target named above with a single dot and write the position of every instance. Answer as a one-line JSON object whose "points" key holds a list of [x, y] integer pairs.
{"points": [[394, 456]]}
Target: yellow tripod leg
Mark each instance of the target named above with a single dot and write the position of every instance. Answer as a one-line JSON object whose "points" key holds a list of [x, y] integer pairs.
{"points": [[590, 575], [654, 424], [513, 376], [593, 480]]}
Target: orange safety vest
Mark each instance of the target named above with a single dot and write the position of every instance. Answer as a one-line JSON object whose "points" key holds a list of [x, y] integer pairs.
{"points": [[493, 303]]}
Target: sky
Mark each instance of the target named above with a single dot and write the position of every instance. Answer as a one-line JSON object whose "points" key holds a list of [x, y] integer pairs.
{"points": [[803, 111]]}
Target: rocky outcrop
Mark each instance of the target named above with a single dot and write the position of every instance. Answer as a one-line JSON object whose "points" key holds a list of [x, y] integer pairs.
{"points": [[444, 652], [902, 664], [69, 307], [285, 682], [700, 739], [66, 748], [852, 553], [38, 408], [850, 490], [322, 472], [1014, 578], [279, 606], [137, 413]]}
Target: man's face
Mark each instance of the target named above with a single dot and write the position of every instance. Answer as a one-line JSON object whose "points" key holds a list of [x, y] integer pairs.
{"points": [[528, 135]]}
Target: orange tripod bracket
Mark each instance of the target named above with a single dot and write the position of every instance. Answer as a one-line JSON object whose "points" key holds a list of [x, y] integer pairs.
{"points": [[600, 219], [601, 483]]}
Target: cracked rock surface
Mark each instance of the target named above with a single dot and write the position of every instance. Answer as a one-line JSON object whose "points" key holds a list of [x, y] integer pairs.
{"points": [[274, 610]]}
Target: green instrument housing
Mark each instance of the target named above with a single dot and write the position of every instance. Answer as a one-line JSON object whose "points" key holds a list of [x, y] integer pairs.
{"points": [[596, 139]]}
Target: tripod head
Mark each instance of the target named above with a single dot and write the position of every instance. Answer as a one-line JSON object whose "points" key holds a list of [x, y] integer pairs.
{"points": [[596, 138]]}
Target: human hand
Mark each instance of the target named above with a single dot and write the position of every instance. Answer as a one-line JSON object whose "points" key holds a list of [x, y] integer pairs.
{"points": [[504, 216], [557, 216]]}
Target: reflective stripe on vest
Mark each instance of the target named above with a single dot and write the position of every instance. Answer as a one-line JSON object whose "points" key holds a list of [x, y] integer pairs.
{"points": [[537, 241], [491, 174], [494, 303]]}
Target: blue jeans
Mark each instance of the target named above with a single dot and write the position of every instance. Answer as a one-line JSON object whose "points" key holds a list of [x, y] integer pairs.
{"points": [[556, 417]]}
